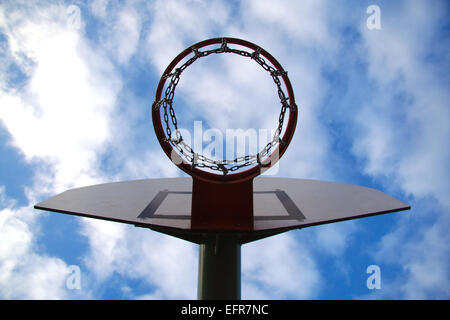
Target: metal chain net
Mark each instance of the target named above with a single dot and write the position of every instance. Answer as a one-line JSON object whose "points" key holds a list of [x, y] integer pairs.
{"points": [[199, 160]]}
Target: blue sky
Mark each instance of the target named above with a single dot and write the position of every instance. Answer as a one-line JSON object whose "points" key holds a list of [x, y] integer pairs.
{"points": [[77, 82]]}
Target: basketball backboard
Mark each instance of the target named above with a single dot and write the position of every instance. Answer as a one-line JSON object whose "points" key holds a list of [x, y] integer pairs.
{"points": [[279, 204]]}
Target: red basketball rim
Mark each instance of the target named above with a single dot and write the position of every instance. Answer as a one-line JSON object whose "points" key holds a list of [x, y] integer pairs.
{"points": [[232, 177]]}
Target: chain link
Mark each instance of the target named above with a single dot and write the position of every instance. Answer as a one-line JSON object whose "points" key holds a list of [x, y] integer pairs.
{"points": [[199, 160]]}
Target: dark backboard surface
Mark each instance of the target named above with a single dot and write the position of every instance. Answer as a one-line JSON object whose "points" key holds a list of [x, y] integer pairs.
{"points": [[279, 203]]}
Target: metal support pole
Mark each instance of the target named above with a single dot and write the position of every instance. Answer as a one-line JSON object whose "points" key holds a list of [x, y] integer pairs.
{"points": [[219, 275]]}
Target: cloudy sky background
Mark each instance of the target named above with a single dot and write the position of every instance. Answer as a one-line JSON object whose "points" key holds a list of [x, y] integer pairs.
{"points": [[77, 82]]}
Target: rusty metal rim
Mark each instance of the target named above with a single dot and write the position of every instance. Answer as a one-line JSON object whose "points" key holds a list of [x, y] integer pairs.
{"points": [[234, 177]]}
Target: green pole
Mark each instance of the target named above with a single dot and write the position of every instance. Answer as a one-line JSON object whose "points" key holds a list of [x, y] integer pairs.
{"points": [[219, 276]]}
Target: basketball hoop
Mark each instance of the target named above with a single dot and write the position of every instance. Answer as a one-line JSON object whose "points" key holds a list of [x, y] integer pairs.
{"points": [[217, 209], [195, 163]]}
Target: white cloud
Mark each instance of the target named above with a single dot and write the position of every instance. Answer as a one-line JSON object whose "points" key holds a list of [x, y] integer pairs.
{"points": [[334, 238], [165, 262], [99, 7], [152, 164], [25, 274], [278, 268], [122, 33], [428, 275], [407, 140], [177, 24], [230, 92], [301, 21], [420, 250], [404, 139], [61, 115]]}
